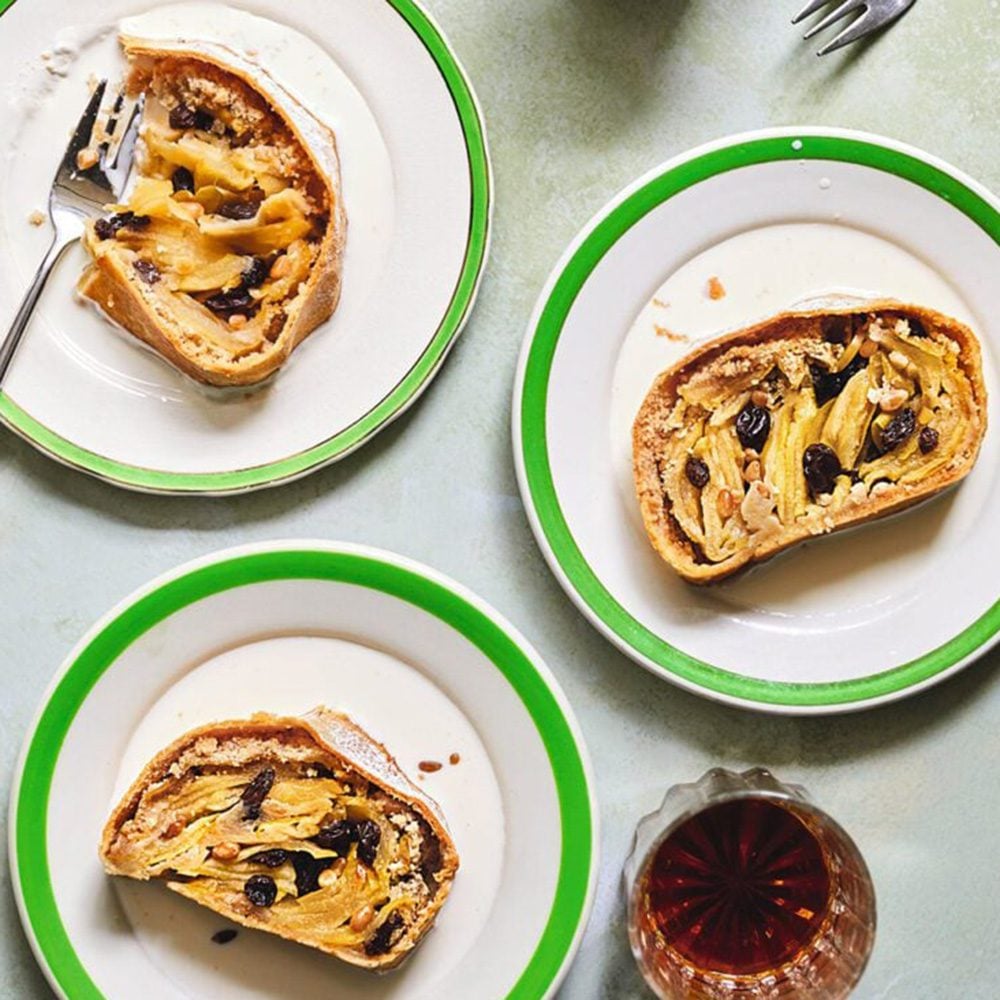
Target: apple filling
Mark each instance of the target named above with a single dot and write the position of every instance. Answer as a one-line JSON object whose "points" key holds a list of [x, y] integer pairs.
{"points": [[296, 846], [222, 225], [774, 439]]}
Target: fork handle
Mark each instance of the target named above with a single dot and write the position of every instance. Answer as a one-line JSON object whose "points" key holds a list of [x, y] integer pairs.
{"points": [[10, 342]]}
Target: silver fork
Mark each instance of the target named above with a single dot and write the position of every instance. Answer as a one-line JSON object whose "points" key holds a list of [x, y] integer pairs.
{"points": [[79, 193], [876, 14]]}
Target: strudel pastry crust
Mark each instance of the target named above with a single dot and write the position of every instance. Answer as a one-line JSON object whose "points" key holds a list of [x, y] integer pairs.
{"points": [[228, 250], [302, 827], [802, 425]]}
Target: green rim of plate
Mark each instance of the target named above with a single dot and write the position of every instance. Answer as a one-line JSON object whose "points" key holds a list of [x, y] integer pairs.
{"points": [[405, 391], [581, 579], [30, 855]]}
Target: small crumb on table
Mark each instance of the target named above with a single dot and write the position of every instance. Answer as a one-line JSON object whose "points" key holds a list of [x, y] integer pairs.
{"points": [[430, 766], [36, 218], [454, 759], [224, 937], [660, 304], [716, 290]]}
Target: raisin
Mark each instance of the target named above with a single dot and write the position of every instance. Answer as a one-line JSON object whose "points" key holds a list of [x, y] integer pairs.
{"points": [[224, 937], [261, 890], [273, 858], [928, 440], [147, 271], [106, 228], [203, 120], [255, 793], [182, 180], [827, 385], [753, 424], [917, 329], [307, 871], [338, 836], [236, 300], [381, 941], [369, 836], [182, 117], [821, 468], [255, 273], [238, 210], [899, 429], [697, 473]]}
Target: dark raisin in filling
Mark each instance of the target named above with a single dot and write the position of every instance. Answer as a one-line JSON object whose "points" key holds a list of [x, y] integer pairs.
{"points": [[255, 793], [147, 271], [107, 228], [697, 473], [338, 836], [261, 890], [273, 858], [821, 467], [899, 429], [255, 273], [307, 871], [827, 385], [238, 300], [238, 210], [381, 941], [753, 426], [369, 837], [928, 440], [182, 180]]}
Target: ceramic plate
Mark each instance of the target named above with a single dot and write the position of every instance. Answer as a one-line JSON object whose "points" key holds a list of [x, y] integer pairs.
{"points": [[420, 663], [417, 190], [776, 218]]}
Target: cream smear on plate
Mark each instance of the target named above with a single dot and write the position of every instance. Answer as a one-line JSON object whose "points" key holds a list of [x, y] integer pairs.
{"points": [[743, 279]]}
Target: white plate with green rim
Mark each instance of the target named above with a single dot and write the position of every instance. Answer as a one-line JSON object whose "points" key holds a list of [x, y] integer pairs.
{"points": [[417, 189], [417, 660], [778, 217]]}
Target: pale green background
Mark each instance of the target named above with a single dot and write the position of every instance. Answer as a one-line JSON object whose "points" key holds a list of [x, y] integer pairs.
{"points": [[582, 96]]}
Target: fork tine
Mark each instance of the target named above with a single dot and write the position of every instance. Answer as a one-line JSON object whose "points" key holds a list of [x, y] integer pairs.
{"points": [[84, 127], [847, 7], [864, 25], [121, 133], [810, 8], [116, 158]]}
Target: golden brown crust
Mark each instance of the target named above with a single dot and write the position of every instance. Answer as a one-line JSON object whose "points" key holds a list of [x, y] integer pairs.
{"points": [[111, 284], [322, 737], [780, 338]]}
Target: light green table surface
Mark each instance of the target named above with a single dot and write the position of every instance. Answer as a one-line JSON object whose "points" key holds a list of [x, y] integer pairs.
{"points": [[582, 96]]}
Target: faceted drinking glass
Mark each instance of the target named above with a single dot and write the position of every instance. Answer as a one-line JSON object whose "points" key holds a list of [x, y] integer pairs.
{"points": [[825, 966]]}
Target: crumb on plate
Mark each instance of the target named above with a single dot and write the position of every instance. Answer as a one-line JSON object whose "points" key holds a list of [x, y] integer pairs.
{"points": [[677, 338], [716, 289]]}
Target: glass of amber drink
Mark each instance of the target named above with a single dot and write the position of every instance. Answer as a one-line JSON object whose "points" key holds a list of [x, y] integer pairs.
{"points": [[740, 888]]}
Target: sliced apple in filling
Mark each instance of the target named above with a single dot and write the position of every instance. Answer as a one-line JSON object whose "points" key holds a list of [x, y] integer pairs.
{"points": [[802, 425], [227, 250], [305, 828]]}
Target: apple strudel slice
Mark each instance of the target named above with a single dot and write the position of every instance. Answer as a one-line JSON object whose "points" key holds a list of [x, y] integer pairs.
{"points": [[302, 827]]}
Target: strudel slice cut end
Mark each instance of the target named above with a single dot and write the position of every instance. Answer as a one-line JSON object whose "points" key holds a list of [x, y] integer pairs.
{"points": [[802, 425], [227, 252], [302, 827]]}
